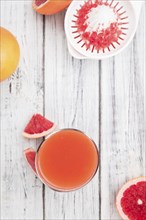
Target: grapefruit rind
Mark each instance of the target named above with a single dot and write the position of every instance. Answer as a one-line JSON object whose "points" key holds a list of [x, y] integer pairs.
{"points": [[50, 7], [120, 195], [26, 152], [39, 135], [36, 6], [9, 47]]}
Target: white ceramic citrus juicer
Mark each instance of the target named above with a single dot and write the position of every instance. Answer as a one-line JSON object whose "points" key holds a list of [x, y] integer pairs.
{"points": [[87, 20]]}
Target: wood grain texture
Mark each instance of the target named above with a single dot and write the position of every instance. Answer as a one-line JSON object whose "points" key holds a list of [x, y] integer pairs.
{"points": [[105, 99], [72, 97], [21, 96], [122, 121]]}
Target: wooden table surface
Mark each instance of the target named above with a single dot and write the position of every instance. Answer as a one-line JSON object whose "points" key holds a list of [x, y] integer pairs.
{"points": [[103, 98]]}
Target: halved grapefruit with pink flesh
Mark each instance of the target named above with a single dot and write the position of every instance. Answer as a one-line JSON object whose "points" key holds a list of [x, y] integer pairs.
{"points": [[29, 155], [38, 126], [131, 200], [49, 7]]}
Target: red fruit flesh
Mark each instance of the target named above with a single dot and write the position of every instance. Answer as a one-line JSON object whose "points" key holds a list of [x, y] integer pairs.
{"points": [[30, 155], [98, 40], [38, 124], [133, 201], [39, 2]]}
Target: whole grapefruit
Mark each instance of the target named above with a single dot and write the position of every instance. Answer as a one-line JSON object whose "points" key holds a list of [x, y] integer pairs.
{"points": [[49, 7], [10, 53]]}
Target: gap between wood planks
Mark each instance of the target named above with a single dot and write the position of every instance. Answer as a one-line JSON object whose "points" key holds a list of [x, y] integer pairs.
{"points": [[99, 144], [100, 110], [43, 70], [99, 141]]}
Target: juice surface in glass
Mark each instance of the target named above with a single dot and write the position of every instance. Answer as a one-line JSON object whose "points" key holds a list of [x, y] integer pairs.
{"points": [[67, 160]]}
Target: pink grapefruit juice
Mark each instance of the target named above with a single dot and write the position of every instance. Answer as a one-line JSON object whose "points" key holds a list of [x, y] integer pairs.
{"points": [[67, 160]]}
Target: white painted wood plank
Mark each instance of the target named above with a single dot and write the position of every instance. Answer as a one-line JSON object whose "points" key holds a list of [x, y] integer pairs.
{"points": [[71, 100], [21, 96], [122, 121]]}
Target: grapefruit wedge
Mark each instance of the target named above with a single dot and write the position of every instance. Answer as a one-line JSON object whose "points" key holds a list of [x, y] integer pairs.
{"points": [[131, 200], [38, 126], [29, 155], [49, 7]]}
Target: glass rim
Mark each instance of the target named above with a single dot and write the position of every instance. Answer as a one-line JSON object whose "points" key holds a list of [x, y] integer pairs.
{"points": [[55, 188]]}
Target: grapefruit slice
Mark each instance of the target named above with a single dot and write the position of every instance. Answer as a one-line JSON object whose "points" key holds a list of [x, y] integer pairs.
{"points": [[29, 155], [38, 126], [131, 200], [49, 7]]}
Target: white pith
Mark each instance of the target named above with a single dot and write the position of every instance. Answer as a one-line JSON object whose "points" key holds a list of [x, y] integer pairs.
{"points": [[38, 135], [140, 202], [34, 4], [120, 195], [25, 153]]}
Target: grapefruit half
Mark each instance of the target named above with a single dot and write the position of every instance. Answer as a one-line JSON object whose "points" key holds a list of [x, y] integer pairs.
{"points": [[49, 7], [29, 155], [131, 200], [38, 126]]}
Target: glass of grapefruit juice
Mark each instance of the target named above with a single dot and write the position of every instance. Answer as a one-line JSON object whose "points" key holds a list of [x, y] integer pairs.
{"points": [[67, 160]]}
